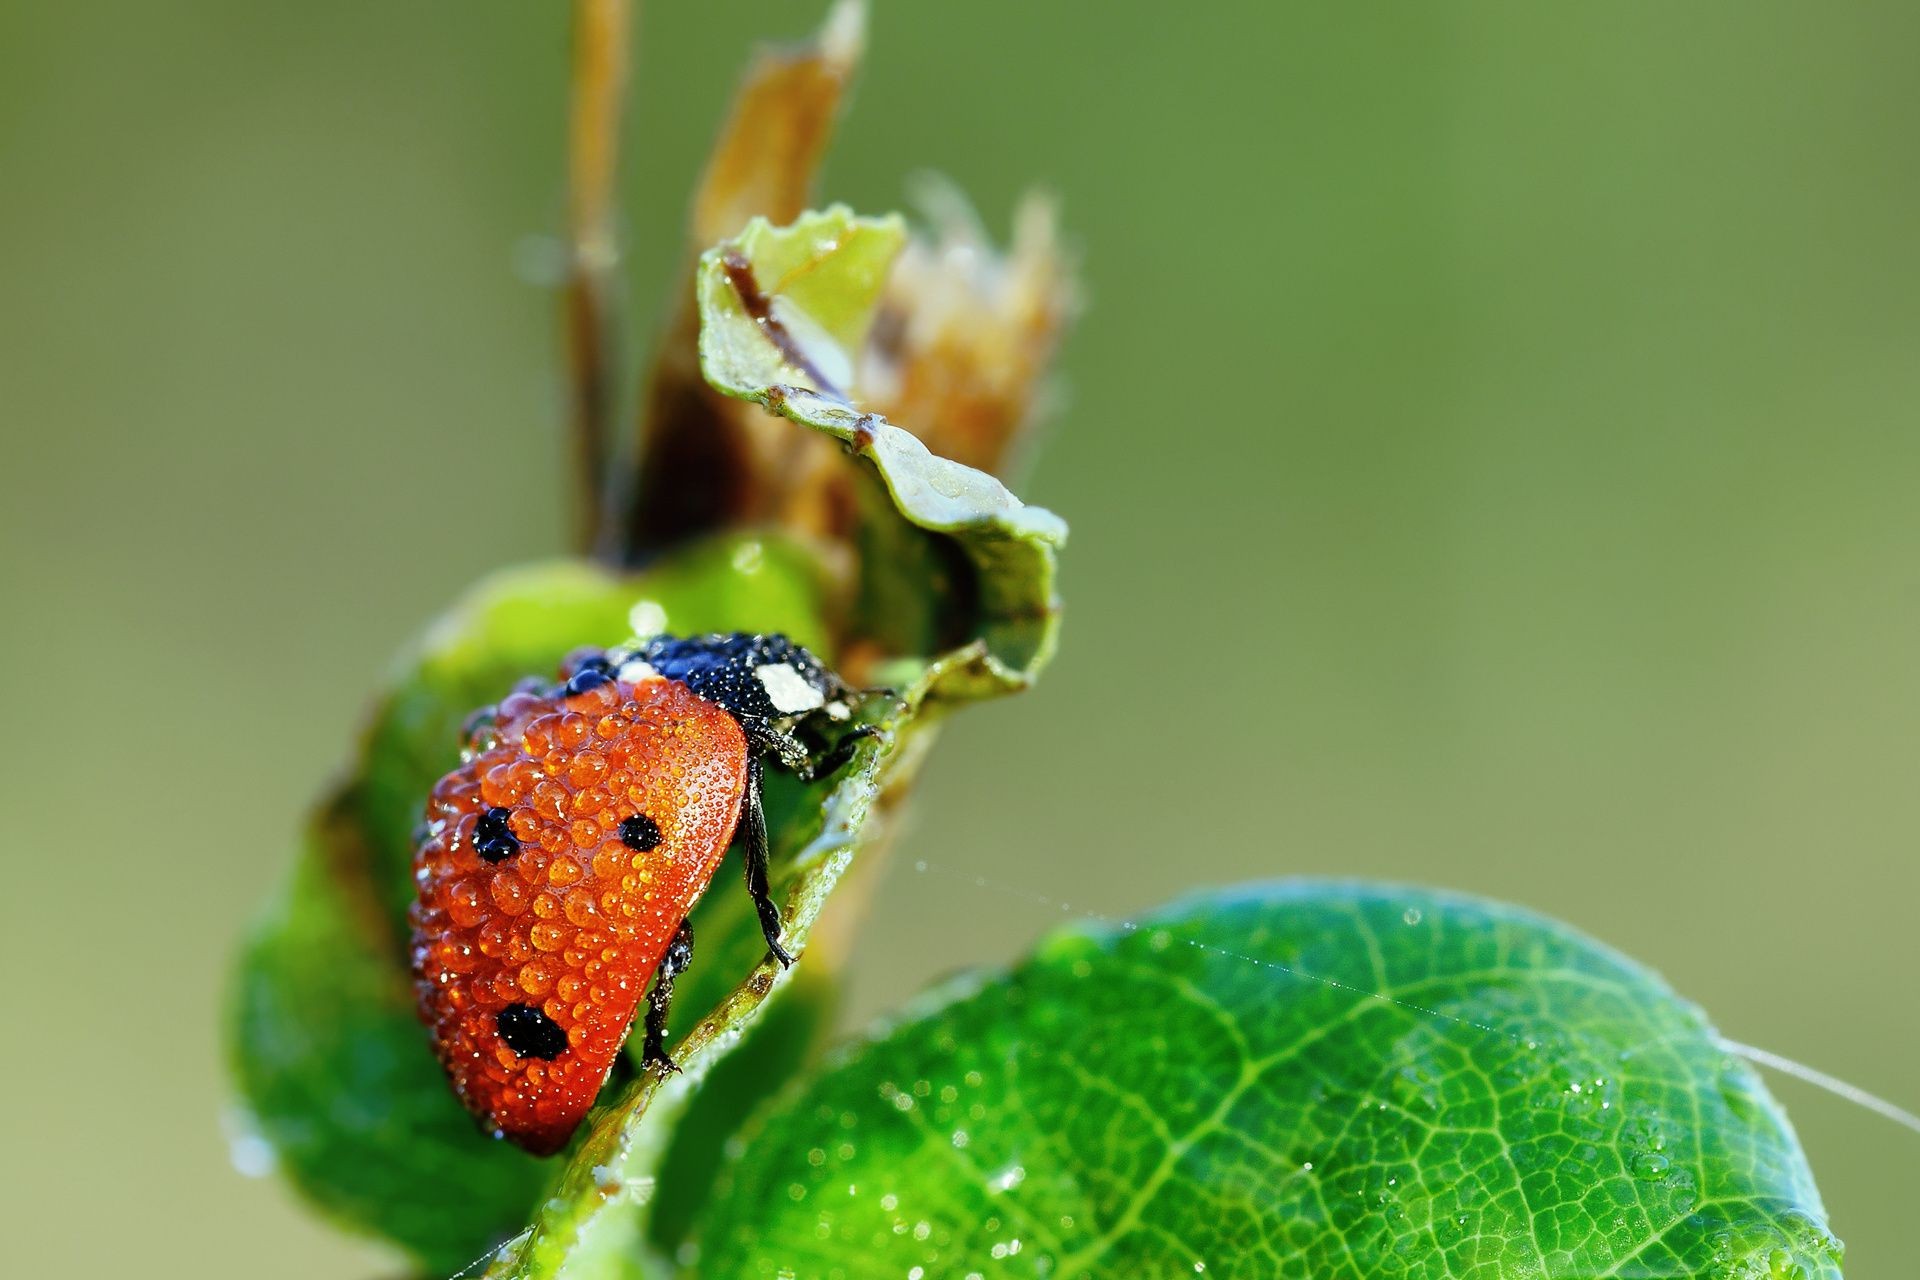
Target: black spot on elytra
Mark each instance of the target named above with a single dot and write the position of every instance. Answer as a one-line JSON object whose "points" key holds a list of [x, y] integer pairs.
{"points": [[493, 840], [530, 1033], [639, 832]]}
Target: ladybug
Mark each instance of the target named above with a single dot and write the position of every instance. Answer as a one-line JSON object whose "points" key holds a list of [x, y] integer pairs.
{"points": [[556, 866]]}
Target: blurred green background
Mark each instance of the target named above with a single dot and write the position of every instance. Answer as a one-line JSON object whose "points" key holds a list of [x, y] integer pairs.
{"points": [[1491, 445]]}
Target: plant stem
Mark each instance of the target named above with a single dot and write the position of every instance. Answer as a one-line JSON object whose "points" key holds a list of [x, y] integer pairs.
{"points": [[602, 32]]}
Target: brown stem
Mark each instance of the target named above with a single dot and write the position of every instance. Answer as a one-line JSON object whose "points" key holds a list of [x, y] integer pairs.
{"points": [[602, 32]]}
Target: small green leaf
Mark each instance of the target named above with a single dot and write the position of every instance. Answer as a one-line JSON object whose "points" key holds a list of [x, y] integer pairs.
{"points": [[334, 1071], [796, 301], [783, 311], [1461, 1089]]}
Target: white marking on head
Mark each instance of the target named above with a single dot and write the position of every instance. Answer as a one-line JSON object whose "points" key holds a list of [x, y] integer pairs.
{"points": [[788, 690], [838, 710], [638, 672]]}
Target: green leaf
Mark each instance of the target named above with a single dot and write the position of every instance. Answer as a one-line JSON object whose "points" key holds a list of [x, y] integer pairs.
{"points": [[1467, 1090], [335, 1075], [783, 312], [333, 1066]]}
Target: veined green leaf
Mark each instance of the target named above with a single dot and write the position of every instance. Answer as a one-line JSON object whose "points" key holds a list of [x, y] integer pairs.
{"points": [[1461, 1089]]}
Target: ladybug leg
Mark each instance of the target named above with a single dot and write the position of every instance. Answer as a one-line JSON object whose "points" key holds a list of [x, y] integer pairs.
{"points": [[672, 965], [754, 819], [835, 758], [791, 752]]}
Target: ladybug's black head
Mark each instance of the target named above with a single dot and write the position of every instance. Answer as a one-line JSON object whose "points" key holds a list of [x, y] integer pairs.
{"points": [[759, 678]]}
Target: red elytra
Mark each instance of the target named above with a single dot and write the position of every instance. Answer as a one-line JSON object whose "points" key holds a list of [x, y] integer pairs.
{"points": [[536, 926]]}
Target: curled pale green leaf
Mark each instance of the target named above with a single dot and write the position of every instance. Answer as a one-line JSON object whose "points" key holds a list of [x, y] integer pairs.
{"points": [[1312, 1079], [783, 313]]}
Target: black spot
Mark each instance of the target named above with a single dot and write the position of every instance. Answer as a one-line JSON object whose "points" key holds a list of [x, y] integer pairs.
{"points": [[639, 832], [531, 1033], [585, 679], [493, 840], [595, 662]]}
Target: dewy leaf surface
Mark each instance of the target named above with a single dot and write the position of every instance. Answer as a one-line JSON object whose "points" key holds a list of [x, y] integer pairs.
{"points": [[1471, 1093], [784, 311]]}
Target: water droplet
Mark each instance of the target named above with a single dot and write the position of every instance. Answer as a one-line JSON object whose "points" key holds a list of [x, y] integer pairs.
{"points": [[1412, 915], [1650, 1165]]}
